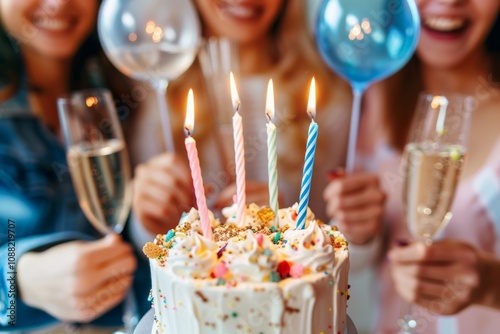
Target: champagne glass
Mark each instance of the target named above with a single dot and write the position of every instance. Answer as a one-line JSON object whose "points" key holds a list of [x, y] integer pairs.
{"points": [[151, 40], [366, 41], [433, 160], [99, 166]]}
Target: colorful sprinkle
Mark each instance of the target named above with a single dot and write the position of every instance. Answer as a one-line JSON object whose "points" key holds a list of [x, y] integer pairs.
{"points": [[277, 237], [275, 277], [297, 270], [169, 235], [284, 269], [260, 238], [220, 270]]}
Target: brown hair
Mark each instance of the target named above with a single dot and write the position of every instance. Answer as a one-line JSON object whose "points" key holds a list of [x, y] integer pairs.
{"points": [[400, 98]]}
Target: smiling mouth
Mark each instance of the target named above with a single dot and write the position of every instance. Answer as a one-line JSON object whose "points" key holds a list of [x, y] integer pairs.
{"points": [[240, 10], [53, 24], [445, 24]]}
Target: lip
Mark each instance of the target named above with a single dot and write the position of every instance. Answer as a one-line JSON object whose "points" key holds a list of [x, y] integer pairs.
{"points": [[241, 10], [445, 35]]}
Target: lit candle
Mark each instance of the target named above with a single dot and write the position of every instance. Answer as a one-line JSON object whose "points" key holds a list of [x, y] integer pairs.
{"points": [[194, 164], [309, 159], [239, 154], [272, 156]]}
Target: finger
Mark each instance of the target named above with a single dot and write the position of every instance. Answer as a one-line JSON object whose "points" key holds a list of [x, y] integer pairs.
{"points": [[93, 253], [151, 208], [359, 214], [359, 233], [367, 196], [225, 197], [418, 252], [162, 185], [91, 306], [415, 290], [109, 271], [92, 257], [355, 182]]}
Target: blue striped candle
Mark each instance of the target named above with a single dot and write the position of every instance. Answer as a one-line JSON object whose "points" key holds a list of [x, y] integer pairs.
{"points": [[309, 160]]}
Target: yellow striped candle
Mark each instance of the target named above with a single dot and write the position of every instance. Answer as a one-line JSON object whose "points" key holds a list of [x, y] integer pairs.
{"points": [[239, 154], [309, 159], [272, 155]]}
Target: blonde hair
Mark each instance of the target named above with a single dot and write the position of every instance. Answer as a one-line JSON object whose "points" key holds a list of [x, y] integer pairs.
{"points": [[297, 61]]}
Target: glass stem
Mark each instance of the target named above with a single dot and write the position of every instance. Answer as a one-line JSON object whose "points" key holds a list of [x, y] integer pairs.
{"points": [[353, 132], [130, 312], [161, 95]]}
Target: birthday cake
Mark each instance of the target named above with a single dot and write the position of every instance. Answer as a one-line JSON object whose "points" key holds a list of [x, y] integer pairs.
{"points": [[262, 277]]}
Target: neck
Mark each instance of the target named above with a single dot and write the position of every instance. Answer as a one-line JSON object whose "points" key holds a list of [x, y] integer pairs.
{"points": [[257, 57], [50, 79], [463, 78]]}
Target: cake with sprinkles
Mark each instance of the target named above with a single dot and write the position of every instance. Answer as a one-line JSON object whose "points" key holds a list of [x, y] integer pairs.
{"points": [[264, 277]]}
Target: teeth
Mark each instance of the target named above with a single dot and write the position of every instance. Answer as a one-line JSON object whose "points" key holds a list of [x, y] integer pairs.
{"points": [[444, 24], [48, 23], [240, 10]]}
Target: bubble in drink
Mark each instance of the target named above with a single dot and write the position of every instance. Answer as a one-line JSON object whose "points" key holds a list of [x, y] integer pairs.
{"points": [[432, 174], [101, 174]]}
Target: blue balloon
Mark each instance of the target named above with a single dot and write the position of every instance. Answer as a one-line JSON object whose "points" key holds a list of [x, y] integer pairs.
{"points": [[366, 41]]}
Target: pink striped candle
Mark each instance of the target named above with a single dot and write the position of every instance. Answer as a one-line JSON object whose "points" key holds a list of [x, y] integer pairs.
{"points": [[194, 164], [239, 154]]}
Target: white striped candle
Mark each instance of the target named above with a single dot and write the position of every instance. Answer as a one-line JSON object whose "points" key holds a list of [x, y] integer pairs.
{"points": [[239, 154], [309, 159], [272, 155]]}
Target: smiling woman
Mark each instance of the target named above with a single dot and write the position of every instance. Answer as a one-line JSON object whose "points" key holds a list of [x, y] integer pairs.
{"points": [[52, 28], [450, 277], [49, 48], [272, 41], [244, 21]]}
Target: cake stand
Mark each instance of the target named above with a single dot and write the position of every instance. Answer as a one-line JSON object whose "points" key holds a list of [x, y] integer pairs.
{"points": [[145, 326]]}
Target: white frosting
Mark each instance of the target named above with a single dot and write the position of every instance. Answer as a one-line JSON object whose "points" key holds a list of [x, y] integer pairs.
{"points": [[250, 214], [192, 217], [192, 256], [310, 247], [288, 216], [250, 262]]}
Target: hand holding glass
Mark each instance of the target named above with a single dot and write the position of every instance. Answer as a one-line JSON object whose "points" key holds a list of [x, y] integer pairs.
{"points": [[99, 165], [433, 159]]}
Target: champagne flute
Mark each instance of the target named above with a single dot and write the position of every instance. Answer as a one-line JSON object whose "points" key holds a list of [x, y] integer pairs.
{"points": [[364, 42], [433, 160], [151, 40], [99, 166]]}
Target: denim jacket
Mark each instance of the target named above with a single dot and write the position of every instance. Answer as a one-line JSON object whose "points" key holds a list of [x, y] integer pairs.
{"points": [[39, 209]]}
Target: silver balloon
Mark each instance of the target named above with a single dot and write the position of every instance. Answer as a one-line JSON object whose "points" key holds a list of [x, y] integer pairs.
{"points": [[151, 40]]}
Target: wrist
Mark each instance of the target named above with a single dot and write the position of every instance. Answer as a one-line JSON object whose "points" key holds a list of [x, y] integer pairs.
{"points": [[490, 276], [24, 282]]}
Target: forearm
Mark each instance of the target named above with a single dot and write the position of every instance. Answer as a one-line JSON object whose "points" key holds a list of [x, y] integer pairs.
{"points": [[490, 295]]}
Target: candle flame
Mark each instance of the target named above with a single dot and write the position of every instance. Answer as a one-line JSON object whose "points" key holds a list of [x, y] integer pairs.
{"points": [[311, 104], [270, 101], [189, 123], [234, 93]]}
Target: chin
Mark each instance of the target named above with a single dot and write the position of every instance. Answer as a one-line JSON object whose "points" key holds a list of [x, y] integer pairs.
{"points": [[59, 52]]}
